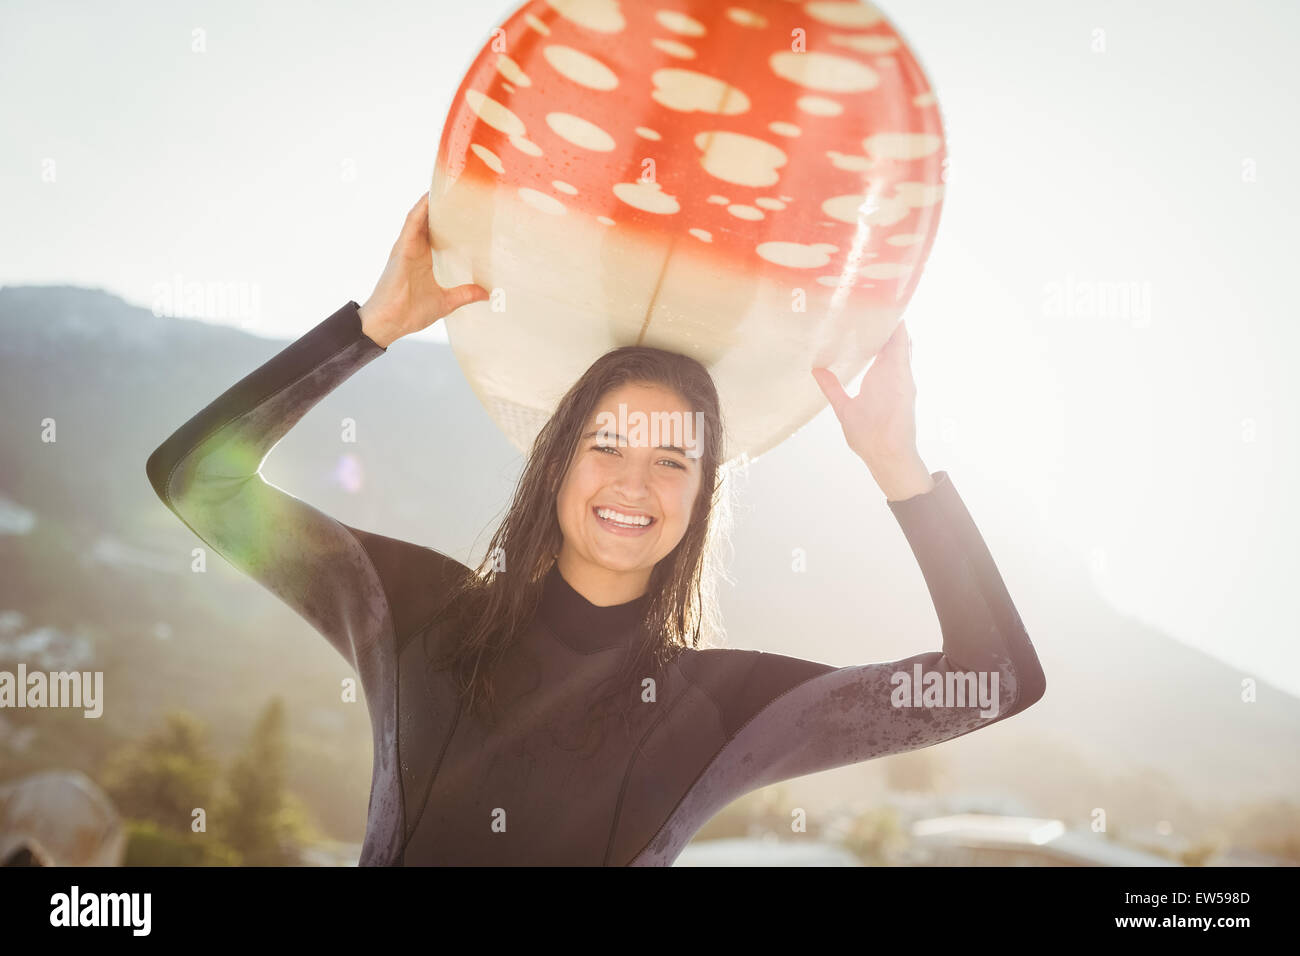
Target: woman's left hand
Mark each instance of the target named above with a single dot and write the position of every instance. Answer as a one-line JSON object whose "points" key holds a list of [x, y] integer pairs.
{"points": [[880, 421]]}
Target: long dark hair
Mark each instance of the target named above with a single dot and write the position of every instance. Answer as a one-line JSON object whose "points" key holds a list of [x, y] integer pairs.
{"points": [[494, 607]]}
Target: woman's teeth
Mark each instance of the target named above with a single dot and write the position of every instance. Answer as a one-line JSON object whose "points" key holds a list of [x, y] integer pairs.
{"points": [[626, 521]]}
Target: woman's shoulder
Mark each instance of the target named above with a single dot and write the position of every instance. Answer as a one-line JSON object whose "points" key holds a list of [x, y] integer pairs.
{"points": [[418, 581]]}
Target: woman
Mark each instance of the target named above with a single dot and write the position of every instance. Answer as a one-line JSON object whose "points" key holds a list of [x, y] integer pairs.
{"points": [[554, 705]]}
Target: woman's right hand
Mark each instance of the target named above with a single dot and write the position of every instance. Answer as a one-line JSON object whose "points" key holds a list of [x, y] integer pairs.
{"points": [[407, 298]]}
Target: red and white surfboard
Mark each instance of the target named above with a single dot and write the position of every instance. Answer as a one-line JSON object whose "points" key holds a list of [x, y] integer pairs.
{"points": [[756, 185]]}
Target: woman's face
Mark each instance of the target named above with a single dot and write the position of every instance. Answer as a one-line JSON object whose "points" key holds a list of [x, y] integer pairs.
{"points": [[634, 472]]}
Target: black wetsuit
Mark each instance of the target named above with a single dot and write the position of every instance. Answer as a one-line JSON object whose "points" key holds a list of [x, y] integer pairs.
{"points": [[446, 789]]}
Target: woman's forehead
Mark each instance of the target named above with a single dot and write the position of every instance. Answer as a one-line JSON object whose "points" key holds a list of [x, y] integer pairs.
{"points": [[643, 397]]}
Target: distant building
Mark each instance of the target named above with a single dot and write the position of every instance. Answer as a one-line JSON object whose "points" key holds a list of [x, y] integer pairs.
{"points": [[978, 839], [59, 818], [48, 648], [755, 851], [1240, 856], [331, 854], [14, 518]]}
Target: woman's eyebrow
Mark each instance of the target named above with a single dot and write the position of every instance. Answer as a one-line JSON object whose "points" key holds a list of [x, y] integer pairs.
{"points": [[606, 431]]}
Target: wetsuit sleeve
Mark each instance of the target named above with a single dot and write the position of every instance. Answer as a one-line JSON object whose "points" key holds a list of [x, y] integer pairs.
{"points": [[817, 717], [339, 579]]}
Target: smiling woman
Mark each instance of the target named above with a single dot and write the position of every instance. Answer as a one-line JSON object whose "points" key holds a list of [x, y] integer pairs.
{"points": [[557, 704], [625, 503]]}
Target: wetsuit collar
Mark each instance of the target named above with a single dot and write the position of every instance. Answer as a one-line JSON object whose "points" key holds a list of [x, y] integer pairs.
{"points": [[584, 626]]}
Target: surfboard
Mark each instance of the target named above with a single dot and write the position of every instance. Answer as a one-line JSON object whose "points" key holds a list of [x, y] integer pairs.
{"points": [[757, 186]]}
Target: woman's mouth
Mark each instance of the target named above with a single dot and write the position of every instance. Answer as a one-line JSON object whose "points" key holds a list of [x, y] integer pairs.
{"points": [[622, 522]]}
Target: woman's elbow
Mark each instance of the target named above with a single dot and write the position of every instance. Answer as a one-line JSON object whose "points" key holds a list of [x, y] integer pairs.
{"points": [[1031, 685], [158, 468]]}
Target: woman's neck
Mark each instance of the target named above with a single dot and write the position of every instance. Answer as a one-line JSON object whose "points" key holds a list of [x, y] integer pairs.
{"points": [[602, 586]]}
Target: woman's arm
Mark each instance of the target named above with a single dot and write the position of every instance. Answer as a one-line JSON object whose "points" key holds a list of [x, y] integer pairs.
{"points": [[871, 710], [352, 586], [860, 712], [793, 717], [208, 472]]}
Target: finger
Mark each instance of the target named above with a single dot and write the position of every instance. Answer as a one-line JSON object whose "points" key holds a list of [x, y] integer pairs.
{"points": [[896, 348], [417, 220], [832, 389], [897, 339], [463, 295], [908, 336]]}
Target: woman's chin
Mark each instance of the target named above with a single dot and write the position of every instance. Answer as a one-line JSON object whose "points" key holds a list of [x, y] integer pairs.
{"points": [[629, 557], [622, 565]]}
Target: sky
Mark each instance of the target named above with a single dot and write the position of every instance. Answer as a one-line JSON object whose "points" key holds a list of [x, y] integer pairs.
{"points": [[1101, 333]]}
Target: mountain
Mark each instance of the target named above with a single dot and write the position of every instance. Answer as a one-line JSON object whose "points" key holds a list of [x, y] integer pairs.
{"points": [[1133, 721]]}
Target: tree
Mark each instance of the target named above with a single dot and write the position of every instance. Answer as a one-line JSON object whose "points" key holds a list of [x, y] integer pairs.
{"points": [[157, 783], [260, 819], [165, 776]]}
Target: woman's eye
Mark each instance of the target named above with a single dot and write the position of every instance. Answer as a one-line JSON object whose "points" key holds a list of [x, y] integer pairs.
{"points": [[610, 448]]}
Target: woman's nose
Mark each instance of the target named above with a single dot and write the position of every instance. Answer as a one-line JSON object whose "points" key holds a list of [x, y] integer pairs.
{"points": [[632, 479]]}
